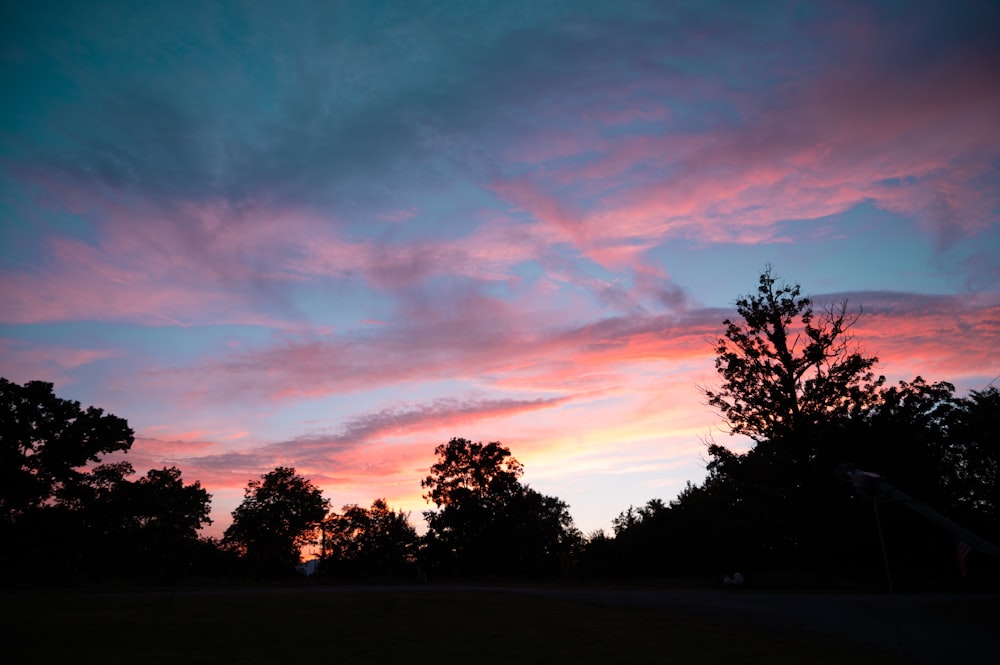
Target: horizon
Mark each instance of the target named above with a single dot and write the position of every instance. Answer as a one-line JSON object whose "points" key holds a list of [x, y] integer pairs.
{"points": [[336, 238]]}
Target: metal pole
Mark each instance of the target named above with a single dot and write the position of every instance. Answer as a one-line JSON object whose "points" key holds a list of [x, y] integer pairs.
{"points": [[888, 577], [885, 553]]}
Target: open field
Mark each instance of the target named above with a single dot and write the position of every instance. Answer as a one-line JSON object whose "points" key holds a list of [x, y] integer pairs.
{"points": [[414, 625]]}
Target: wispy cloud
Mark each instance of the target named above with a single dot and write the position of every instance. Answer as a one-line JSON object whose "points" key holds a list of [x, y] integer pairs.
{"points": [[26, 361]]}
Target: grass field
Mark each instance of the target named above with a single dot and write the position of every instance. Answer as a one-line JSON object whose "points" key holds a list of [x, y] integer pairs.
{"points": [[408, 625]]}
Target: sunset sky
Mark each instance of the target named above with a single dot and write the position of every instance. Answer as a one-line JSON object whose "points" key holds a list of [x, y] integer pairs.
{"points": [[334, 235]]}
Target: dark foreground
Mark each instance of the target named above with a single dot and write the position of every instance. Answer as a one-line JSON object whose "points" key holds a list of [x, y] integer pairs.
{"points": [[502, 625]]}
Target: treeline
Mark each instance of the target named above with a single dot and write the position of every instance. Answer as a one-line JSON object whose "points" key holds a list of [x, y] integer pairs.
{"points": [[793, 381], [68, 517], [800, 388]]}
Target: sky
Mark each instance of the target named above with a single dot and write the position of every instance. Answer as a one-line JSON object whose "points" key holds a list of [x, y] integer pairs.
{"points": [[334, 235]]}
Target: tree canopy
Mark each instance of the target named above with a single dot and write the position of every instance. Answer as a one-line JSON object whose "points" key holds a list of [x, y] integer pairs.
{"points": [[376, 543], [279, 515], [45, 442], [795, 382], [786, 367], [472, 471], [487, 522], [67, 513]]}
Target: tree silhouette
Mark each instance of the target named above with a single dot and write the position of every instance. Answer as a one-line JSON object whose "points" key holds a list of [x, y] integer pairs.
{"points": [[467, 471], [796, 384], [487, 522], [785, 367], [375, 543], [167, 517], [279, 515], [44, 443], [68, 515], [143, 529], [972, 471]]}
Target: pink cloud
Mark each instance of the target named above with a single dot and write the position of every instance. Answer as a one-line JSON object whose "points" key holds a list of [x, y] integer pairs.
{"points": [[918, 142], [492, 345], [527, 196], [31, 361], [945, 338], [155, 266], [473, 338], [219, 263], [377, 450]]}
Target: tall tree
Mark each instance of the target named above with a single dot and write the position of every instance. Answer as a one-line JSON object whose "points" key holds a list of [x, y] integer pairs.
{"points": [[791, 376], [795, 383], [786, 367], [279, 515], [45, 443]]}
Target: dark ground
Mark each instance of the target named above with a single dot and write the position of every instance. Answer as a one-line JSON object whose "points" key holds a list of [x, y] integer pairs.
{"points": [[496, 624], [935, 629]]}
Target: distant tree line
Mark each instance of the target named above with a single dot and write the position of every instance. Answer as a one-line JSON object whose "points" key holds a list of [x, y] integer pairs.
{"points": [[793, 381], [68, 516]]}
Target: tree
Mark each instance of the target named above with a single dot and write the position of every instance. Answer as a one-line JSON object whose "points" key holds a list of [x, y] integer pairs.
{"points": [[487, 522], [472, 471], [167, 517], [44, 442], [167, 508], [368, 543], [795, 382], [542, 537], [141, 529], [57, 490], [972, 471], [785, 367], [46, 446], [279, 515]]}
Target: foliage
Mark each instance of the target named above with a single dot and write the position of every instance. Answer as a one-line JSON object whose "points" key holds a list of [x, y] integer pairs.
{"points": [[971, 472], [279, 515], [543, 538], [467, 471], [488, 523], [794, 382], [168, 509], [120, 529], [375, 543], [633, 517], [44, 442], [68, 515], [167, 516], [785, 367]]}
